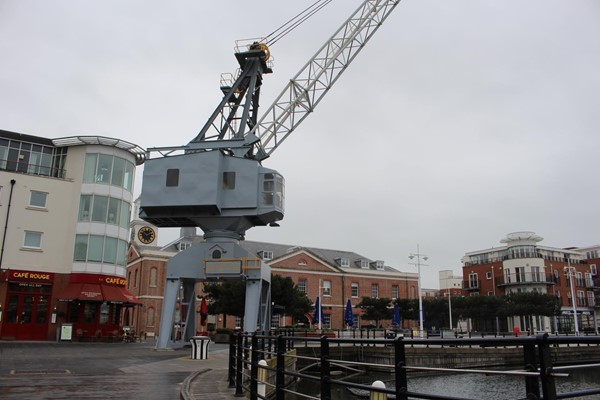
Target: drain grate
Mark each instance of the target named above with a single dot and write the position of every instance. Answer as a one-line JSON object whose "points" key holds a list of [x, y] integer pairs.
{"points": [[39, 371]]}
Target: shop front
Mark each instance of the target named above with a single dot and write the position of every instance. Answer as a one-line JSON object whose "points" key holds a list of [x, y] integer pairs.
{"points": [[95, 306], [25, 309]]}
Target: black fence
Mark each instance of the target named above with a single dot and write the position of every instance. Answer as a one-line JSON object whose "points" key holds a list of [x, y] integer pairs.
{"points": [[251, 376]]}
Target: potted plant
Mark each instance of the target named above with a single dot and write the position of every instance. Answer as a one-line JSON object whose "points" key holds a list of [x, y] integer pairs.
{"points": [[222, 335]]}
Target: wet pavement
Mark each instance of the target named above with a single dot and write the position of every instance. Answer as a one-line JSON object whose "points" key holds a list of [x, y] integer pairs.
{"points": [[48, 370]]}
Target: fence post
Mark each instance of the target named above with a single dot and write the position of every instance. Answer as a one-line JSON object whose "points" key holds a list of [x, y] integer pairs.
{"points": [[231, 374], [399, 370], [375, 395], [239, 390], [325, 370], [532, 387], [262, 379], [254, 368], [548, 383], [280, 374]]}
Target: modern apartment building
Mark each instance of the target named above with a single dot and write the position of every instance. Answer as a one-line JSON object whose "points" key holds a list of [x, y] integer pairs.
{"points": [[521, 264], [65, 207]]}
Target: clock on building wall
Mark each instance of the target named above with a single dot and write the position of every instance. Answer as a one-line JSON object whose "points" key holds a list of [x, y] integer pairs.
{"points": [[146, 235]]}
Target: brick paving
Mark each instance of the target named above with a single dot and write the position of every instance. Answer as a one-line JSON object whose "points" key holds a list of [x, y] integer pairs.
{"points": [[50, 370]]}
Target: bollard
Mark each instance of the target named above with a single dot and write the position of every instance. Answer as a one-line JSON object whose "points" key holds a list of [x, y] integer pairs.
{"points": [[262, 379], [375, 395]]}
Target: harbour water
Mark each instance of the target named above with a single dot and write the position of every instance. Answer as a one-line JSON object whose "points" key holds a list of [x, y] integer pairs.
{"points": [[467, 386]]}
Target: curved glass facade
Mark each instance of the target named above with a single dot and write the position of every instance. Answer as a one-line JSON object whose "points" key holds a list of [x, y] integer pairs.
{"points": [[103, 218]]}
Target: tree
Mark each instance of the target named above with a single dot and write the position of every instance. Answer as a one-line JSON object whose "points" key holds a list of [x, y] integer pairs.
{"points": [[229, 298], [375, 309], [288, 299]]}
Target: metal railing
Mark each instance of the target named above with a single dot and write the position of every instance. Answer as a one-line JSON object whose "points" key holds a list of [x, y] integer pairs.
{"points": [[251, 376]]}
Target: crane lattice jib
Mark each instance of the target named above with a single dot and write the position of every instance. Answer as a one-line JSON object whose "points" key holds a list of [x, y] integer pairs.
{"points": [[307, 88]]}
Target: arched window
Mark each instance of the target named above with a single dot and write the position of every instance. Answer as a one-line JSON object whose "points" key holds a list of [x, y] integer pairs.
{"points": [[150, 317], [153, 274]]}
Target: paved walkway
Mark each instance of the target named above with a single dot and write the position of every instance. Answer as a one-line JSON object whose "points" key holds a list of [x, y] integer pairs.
{"points": [[50, 370]]}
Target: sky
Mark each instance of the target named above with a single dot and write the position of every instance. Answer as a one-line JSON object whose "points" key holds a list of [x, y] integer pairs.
{"points": [[460, 121]]}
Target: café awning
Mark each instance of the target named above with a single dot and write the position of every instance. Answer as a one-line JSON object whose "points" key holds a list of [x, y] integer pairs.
{"points": [[97, 292]]}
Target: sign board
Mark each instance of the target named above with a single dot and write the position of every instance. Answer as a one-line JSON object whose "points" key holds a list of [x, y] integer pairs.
{"points": [[66, 331], [223, 268]]}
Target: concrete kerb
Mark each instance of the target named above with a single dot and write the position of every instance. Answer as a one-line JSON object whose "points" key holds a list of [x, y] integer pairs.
{"points": [[185, 393]]}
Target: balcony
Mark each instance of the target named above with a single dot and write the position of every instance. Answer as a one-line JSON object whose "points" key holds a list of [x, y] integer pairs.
{"points": [[526, 278], [31, 169], [472, 285]]}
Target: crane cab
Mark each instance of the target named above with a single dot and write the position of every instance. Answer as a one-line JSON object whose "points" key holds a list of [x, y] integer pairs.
{"points": [[217, 192]]}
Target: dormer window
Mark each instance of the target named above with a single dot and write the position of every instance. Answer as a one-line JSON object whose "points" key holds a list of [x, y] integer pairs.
{"points": [[378, 265], [266, 255], [184, 245], [344, 262], [364, 264]]}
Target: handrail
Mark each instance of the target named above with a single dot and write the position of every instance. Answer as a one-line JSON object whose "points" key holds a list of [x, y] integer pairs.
{"points": [[539, 370]]}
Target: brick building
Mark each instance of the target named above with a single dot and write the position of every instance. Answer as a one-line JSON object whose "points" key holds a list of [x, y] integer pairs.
{"points": [[336, 275], [523, 265]]}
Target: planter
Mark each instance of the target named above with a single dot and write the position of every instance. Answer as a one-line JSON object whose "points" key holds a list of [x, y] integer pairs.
{"points": [[222, 337]]}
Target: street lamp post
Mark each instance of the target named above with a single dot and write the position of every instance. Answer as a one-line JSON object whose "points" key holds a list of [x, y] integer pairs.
{"points": [[418, 256], [571, 273]]}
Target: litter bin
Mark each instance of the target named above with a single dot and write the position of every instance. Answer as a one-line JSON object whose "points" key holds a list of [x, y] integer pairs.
{"points": [[199, 347]]}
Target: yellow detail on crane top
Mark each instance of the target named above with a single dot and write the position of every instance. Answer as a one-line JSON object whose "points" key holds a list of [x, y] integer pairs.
{"points": [[261, 46]]}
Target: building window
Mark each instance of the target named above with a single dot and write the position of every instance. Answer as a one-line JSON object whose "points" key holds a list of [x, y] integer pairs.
{"points": [[275, 321], [135, 276], [520, 274], [326, 288], [104, 209], [104, 313], [32, 240], [153, 277], [490, 293], [536, 276], [326, 321], [38, 199], [150, 317], [581, 298], [238, 322], [228, 180], [354, 289], [473, 280], [301, 285], [108, 169], [488, 275], [96, 248], [172, 177], [375, 291], [267, 255], [589, 280], [344, 262], [32, 158], [578, 279], [591, 299], [395, 290], [185, 245], [593, 269]]}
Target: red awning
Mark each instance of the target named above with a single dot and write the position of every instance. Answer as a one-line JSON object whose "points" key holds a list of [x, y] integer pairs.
{"points": [[97, 292], [117, 294]]}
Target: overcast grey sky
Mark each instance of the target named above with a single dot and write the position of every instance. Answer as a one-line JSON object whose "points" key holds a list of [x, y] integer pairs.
{"points": [[461, 121]]}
